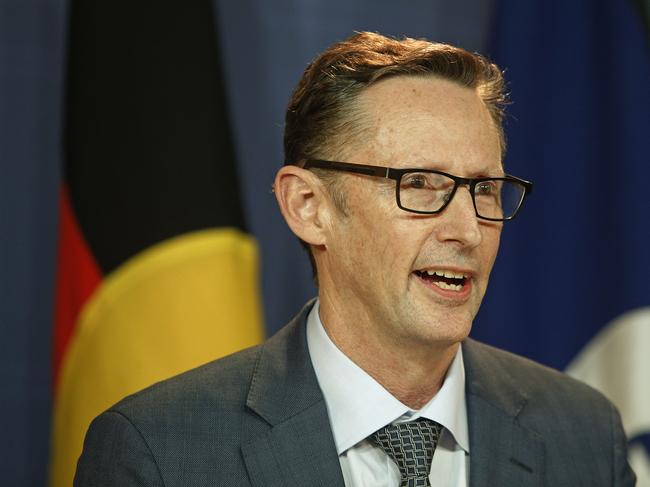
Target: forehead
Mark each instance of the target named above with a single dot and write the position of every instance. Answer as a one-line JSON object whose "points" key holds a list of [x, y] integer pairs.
{"points": [[426, 120]]}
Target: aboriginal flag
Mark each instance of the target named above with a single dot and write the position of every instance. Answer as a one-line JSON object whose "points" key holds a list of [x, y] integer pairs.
{"points": [[156, 273]]}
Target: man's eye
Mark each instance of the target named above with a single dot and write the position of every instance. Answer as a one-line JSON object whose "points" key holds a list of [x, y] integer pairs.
{"points": [[415, 182], [486, 188]]}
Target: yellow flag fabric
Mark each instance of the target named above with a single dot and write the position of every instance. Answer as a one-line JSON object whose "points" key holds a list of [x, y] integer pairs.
{"points": [[180, 303]]}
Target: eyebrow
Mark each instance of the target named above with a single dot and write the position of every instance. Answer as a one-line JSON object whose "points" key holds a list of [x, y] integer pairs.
{"points": [[445, 166], [480, 173]]}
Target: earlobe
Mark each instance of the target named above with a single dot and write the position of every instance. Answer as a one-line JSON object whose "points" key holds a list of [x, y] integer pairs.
{"points": [[300, 197]]}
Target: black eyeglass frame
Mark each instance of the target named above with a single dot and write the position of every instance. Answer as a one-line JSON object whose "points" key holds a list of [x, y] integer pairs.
{"points": [[396, 174]]}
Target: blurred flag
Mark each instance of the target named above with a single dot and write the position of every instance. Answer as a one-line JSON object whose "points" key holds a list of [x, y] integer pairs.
{"points": [[156, 273], [571, 286]]}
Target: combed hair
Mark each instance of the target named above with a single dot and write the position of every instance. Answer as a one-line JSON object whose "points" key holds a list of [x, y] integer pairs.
{"points": [[323, 107]]}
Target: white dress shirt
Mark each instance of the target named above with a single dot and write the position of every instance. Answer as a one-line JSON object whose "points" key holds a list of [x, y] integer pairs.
{"points": [[358, 406]]}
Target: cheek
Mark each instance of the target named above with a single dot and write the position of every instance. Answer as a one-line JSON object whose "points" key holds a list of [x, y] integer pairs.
{"points": [[378, 238], [377, 250], [398, 247], [490, 246]]}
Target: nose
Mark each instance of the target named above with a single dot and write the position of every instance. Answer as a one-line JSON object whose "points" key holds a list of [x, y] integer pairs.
{"points": [[458, 222]]}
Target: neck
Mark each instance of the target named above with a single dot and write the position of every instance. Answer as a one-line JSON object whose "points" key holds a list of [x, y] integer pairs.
{"points": [[412, 370]]}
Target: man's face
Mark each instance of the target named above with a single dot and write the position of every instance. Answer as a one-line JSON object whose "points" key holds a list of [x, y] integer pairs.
{"points": [[380, 258]]}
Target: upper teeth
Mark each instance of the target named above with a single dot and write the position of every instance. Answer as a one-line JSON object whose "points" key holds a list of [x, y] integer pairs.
{"points": [[447, 274]]}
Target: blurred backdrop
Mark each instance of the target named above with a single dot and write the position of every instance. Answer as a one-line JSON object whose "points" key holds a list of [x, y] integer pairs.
{"points": [[139, 236]]}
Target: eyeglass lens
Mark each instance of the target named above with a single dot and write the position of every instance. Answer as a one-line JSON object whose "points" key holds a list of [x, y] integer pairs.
{"points": [[429, 192]]}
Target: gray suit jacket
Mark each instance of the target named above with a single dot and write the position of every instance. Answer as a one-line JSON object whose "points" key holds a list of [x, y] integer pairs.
{"points": [[258, 418]]}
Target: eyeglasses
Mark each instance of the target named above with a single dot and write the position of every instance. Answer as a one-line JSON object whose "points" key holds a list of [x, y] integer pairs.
{"points": [[427, 191]]}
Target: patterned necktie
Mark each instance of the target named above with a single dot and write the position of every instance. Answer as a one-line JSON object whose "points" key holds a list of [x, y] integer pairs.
{"points": [[411, 446]]}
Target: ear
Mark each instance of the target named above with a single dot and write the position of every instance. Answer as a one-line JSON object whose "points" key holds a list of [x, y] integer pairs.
{"points": [[302, 202]]}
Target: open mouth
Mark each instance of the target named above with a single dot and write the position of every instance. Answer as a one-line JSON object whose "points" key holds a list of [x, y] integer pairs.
{"points": [[444, 279]]}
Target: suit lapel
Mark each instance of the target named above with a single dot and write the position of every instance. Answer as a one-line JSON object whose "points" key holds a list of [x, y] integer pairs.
{"points": [[502, 452], [297, 448]]}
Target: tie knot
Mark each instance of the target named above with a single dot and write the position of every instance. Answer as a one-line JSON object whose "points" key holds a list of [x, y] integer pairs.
{"points": [[411, 446]]}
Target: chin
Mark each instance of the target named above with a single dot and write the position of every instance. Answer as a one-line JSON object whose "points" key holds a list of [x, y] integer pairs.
{"points": [[439, 334], [450, 331]]}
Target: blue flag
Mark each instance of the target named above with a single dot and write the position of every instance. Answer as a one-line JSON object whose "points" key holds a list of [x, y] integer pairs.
{"points": [[570, 288]]}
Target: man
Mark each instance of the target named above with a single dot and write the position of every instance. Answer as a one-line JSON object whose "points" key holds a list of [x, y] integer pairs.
{"points": [[394, 181]]}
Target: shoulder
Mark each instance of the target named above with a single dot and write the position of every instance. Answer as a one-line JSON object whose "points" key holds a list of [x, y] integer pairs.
{"points": [[220, 385], [181, 429], [530, 378], [224, 384], [191, 421], [579, 429], [536, 394]]}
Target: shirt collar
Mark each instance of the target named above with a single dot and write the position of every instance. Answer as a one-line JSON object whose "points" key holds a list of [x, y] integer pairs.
{"points": [[358, 405]]}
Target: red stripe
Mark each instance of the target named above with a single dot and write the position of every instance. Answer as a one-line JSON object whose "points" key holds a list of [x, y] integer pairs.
{"points": [[77, 277]]}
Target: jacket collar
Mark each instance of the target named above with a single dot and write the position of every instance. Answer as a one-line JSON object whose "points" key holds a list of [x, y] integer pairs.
{"points": [[298, 449], [502, 451]]}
